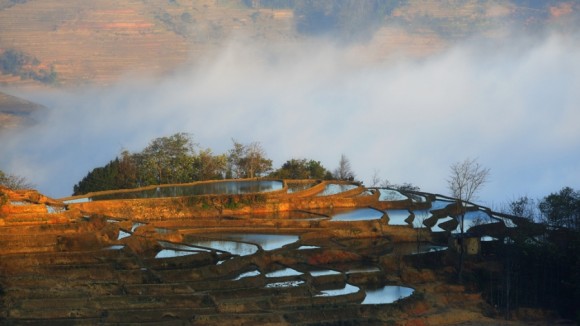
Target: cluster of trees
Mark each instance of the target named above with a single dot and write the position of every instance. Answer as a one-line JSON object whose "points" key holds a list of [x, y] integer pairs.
{"points": [[541, 263], [542, 268], [177, 159], [20, 64], [558, 210]]}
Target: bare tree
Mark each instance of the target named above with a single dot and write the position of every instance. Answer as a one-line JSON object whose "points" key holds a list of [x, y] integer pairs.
{"points": [[344, 171], [465, 180], [375, 178], [14, 182]]}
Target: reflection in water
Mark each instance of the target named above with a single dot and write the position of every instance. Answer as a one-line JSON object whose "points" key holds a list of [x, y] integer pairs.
{"points": [[387, 294], [213, 188], [398, 216], [440, 204], [298, 186], [473, 218], [359, 214], [420, 217], [123, 234], [437, 228], [233, 247], [171, 253], [266, 241], [334, 188], [284, 272], [391, 195], [348, 289]]}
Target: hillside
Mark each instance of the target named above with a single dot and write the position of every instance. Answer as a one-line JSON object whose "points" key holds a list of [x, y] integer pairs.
{"points": [[15, 111], [98, 41]]}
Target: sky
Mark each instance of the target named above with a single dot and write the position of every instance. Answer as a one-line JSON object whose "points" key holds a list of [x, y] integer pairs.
{"points": [[514, 106]]}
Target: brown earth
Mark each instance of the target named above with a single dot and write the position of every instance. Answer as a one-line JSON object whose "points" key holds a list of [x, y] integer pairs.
{"points": [[67, 264]]}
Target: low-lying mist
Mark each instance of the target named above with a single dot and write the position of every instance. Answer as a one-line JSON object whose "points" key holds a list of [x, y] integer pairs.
{"points": [[514, 106]]}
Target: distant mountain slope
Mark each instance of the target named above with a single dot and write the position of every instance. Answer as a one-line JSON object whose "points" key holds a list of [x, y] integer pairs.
{"points": [[15, 112], [75, 42]]}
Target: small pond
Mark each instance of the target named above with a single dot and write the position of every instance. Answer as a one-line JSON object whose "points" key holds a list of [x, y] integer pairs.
{"points": [[398, 216], [391, 195], [440, 204], [359, 214], [348, 289], [123, 234], [474, 218], [420, 217], [266, 241], [233, 247], [172, 253], [387, 294], [437, 227], [211, 188], [284, 273], [298, 186], [335, 188]]}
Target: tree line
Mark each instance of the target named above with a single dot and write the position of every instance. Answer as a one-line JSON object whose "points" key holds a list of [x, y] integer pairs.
{"points": [[178, 159], [541, 265]]}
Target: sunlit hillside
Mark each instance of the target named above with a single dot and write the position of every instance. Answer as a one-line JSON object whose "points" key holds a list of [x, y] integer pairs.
{"points": [[98, 41]]}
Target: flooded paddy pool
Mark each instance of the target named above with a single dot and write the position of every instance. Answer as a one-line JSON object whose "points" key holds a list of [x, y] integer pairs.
{"points": [[398, 216], [335, 188], [359, 214], [348, 289], [237, 248], [211, 188], [391, 195], [266, 241], [387, 294]]}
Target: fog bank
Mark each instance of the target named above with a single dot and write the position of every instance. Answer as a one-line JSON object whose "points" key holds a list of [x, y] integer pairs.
{"points": [[514, 107]]}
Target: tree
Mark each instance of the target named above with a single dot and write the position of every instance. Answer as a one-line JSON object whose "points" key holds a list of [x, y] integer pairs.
{"points": [[344, 170], [562, 209], [301, 169], [256, 163], [14, 182], [465, 180], [523, 207], [207, 166], [247, 161], [169, 159]]}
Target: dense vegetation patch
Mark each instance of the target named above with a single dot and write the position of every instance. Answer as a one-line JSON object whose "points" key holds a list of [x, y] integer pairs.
{"points": [[27, 67]]}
